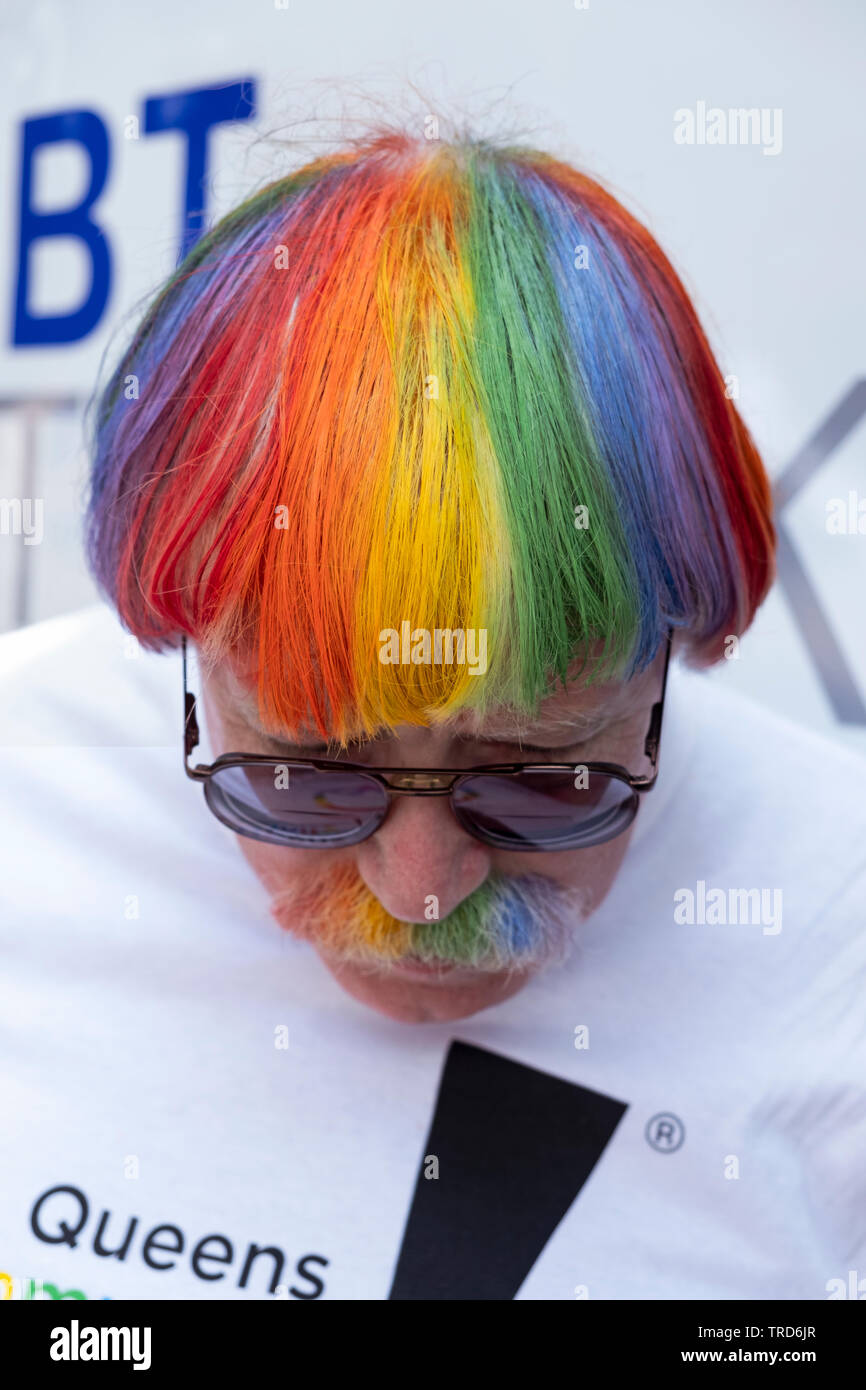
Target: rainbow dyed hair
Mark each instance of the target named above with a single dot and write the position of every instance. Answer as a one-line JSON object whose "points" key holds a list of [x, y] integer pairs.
{"points": [[379, 390]]}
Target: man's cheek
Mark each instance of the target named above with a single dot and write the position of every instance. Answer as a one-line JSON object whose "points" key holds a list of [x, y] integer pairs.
{"points": [[592, 871], [278, 868]]}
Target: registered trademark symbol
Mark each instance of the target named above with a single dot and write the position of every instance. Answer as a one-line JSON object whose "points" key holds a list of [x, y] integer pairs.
{"points": [[666, 1133]]}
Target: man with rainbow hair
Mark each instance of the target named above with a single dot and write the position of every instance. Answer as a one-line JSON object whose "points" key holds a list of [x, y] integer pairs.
{"points": [[422, 466], [377, 394]]}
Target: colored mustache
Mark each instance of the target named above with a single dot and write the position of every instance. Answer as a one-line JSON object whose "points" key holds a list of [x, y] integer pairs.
{"points": [[506, 923]]}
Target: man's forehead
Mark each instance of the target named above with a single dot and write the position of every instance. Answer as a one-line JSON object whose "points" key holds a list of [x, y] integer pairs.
{"points": [[576, 706]]}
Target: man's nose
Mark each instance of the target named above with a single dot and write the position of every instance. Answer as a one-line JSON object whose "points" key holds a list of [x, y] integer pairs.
{"points": [[421, 851]]}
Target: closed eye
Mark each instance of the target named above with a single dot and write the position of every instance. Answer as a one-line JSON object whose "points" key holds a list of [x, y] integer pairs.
{"points": [[280, 747], [555, 754], [331, 751]]}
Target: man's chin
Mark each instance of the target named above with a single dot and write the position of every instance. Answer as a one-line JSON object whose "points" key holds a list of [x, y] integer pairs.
{"points": [[417, 992]]}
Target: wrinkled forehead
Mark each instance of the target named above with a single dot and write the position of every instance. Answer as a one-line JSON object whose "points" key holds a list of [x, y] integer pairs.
{"points": [[581, 705], [578, 707]]}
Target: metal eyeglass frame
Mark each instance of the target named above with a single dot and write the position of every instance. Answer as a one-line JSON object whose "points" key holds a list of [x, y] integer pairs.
{"points": [[423, 781]]}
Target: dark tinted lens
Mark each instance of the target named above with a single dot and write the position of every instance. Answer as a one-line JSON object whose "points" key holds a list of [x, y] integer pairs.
{"points": [[545, 810], [285, 804]]}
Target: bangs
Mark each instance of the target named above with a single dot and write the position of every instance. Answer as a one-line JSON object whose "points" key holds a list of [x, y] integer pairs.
{"points": [[418, 389]]}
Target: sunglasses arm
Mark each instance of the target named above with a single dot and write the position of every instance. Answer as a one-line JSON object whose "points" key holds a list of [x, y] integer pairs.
{"points": [[654, 733], [190, 722]]}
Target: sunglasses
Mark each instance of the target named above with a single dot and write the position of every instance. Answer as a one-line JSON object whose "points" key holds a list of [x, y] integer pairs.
{"points": [[319, 803]]}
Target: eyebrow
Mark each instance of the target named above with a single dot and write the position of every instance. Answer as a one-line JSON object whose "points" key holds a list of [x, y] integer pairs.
{"points": [[580, 724], [529, 740]]}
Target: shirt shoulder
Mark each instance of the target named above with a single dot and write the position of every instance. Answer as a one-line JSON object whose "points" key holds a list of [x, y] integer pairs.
{"points": [[81, 680], [753, 783]]}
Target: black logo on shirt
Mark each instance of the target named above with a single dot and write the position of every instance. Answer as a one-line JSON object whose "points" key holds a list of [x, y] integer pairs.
{"points": [[514, 1148]]}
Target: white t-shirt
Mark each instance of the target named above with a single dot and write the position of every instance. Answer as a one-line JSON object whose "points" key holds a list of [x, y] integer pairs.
{"points": [[678, 1112]]}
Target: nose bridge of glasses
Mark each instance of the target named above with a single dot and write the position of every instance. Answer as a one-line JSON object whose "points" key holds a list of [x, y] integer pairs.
{"points": [[430, 783]]}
